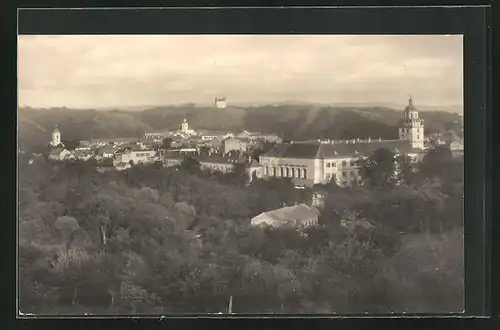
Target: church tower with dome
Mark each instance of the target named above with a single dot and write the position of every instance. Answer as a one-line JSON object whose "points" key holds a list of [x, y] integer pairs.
{"points": [[413, 127]]}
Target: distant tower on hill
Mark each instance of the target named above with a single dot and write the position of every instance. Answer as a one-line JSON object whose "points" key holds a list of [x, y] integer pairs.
{"points": [[185, 126], [56, 137], [413, 127], [220, 103]]}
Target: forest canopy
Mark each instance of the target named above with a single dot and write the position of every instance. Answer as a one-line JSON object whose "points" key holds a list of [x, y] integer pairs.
{"points": [[178, 240]]}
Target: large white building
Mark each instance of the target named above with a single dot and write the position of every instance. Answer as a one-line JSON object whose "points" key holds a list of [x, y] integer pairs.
{"points": [[136, 157], [310, 163]]}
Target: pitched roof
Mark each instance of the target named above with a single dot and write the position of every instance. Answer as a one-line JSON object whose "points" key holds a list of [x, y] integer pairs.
{"points": [[365, 148], [319, 150], [298, 213], [236, 139], [215, 159], [56, 151], [294, 150]]}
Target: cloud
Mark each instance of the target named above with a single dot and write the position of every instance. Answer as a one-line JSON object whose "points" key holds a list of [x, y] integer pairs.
{"points": [[86, 71]]}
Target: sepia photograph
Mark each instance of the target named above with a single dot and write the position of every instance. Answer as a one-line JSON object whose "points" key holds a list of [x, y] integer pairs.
{"points": [[240, 174]]}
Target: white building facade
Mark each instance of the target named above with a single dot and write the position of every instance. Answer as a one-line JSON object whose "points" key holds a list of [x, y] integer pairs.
{"points": [[310, 163], [137, 157]]}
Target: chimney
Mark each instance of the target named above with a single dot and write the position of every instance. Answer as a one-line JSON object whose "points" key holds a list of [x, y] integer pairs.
{"points": [[379, 139], [369, 139]]}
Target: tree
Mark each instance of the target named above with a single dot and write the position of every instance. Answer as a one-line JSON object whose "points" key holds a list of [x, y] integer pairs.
{"points": [[204, 150], [378, 169], [238, 174], [107, 162], [166, 143], [261, 149], [190, 165], [406, 170], [71, 144], [68, 226], [435, 162]]}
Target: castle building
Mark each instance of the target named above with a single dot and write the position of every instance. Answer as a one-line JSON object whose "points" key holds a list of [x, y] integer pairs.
{"points": [[220, 103], [317, 162], [413, 127]]}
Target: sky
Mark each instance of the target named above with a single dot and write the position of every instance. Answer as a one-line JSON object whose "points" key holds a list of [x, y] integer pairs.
{"points": [[85, 71]]}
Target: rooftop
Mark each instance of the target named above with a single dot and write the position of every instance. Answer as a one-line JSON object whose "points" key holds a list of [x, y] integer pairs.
{"points": [[300, 212], [318, 150]]}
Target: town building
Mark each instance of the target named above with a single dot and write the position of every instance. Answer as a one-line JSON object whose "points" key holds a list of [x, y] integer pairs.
{"points": [[185, 128], [457, 146], [247, 135], [82, 155], [235, 144], [136, 157], [220, 103], [215, 163], [207, 135], [157, 136], [319, 162], [107, 151], [106, 141], [172, 159], [60, 154], [254, 169], [300, 215]]}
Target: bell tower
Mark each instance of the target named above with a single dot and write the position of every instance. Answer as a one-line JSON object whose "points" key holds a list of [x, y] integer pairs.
{"points": [[184, 126], [413, 126], [56, 137]]}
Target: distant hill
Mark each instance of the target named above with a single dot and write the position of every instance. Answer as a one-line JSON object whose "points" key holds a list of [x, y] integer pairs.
{"points": [[292, 121]]}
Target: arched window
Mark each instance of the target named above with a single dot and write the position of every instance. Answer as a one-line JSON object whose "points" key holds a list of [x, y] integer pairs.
{"points": [[293, 173], [305, 174], [274, 170], [287, 171], [298, 173], [282, 171]]}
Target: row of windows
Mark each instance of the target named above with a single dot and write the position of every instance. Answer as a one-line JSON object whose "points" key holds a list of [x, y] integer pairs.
{"points": [[407, 130], [344, 174], [286, 172], [142, 154], [344, 163]]}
